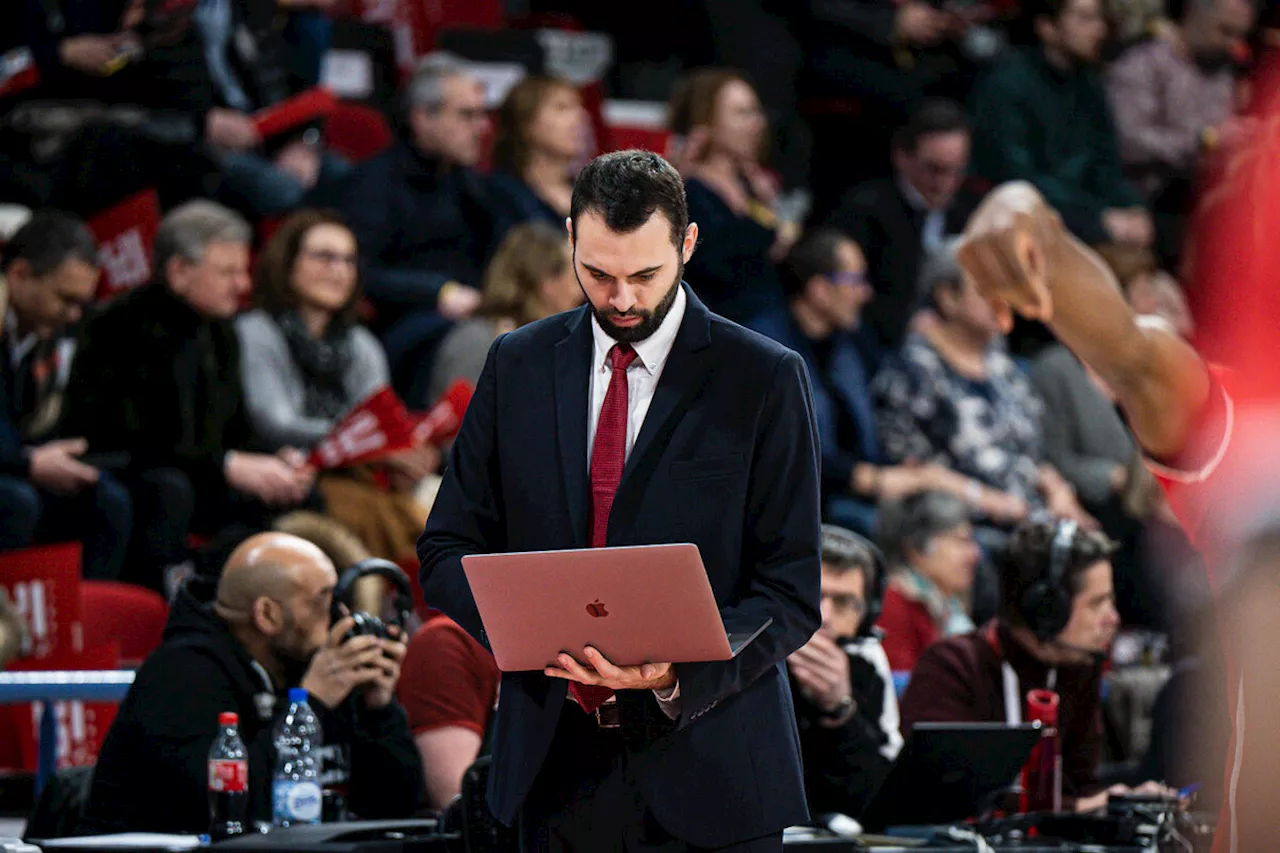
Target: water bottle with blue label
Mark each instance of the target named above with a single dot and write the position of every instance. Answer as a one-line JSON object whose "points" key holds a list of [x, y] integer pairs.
{"points": [[295, 786]]}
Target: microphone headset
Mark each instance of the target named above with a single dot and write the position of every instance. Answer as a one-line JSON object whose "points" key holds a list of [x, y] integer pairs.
{"points": [[1046, 605], [852, 543], [368, 623]]}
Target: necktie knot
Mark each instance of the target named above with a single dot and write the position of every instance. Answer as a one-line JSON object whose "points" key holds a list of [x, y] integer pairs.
{"points": [[621, 356]]}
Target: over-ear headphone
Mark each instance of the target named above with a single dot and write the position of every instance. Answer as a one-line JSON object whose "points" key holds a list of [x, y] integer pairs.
{"points": [[875, 583], [1046, 605], [368, 623]]}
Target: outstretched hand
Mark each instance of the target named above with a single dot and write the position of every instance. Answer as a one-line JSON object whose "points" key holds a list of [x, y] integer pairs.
{"points": [[1005, 248], [600, 672]]}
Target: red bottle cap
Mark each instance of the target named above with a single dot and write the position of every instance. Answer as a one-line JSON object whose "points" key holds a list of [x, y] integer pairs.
{"points": [[228, 718]]}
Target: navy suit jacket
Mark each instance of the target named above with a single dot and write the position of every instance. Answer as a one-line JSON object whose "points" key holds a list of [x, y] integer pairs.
{"points": [[726, 459], [842, 389]]}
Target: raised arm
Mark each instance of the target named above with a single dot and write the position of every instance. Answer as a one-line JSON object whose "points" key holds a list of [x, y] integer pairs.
{"points": [[1024, 260]]}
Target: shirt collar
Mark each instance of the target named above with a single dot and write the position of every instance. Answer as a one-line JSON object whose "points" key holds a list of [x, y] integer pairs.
{"points": [[652, 352], [18, 348]]}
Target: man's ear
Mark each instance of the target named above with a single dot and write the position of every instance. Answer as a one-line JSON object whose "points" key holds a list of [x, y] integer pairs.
{"points": [[176, 270], [267, 616], [814, 288], [690, 241], [19, 270]]}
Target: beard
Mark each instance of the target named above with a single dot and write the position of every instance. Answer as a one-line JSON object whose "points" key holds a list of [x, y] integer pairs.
{"points": [[649, 320], [293, 656]]}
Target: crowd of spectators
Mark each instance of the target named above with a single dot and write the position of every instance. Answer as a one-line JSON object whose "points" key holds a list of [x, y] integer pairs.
{"points": [[290, 283]]}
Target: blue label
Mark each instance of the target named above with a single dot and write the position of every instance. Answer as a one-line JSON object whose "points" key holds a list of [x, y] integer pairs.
{"points": [[295, 802]]}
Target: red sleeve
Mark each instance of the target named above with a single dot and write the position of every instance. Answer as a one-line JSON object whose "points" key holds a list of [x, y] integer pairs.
{"points": [[942, 687], [448, 679], [1190, 482]]}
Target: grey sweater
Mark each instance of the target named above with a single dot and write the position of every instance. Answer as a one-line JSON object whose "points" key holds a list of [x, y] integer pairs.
{"points": [[273, 384], [1084, 437]]}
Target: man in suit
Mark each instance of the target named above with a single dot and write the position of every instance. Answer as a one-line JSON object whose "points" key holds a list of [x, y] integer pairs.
{"points": [[898, 221], [642, 418]]}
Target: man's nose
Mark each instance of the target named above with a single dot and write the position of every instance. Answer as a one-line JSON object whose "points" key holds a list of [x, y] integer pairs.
{"points": [[623, 298]]}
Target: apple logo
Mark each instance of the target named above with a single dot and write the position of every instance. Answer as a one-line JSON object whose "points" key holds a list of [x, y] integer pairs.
{"points": [[597, 609]]}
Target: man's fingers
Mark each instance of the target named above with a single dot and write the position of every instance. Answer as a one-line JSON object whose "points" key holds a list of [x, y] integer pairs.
{"points": [[576, 670], [340, 628], [601, 664]]}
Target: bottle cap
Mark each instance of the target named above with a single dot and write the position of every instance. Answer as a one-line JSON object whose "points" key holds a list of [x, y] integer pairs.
{"points": [[228, 718], [297, 694]]}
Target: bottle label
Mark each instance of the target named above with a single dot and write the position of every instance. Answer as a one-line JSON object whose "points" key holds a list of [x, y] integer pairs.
{"points": [[296, 802], [228, 776]]}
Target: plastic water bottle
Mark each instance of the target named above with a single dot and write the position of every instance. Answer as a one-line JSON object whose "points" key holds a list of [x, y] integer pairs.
{"points": [[228, 780], [295, 786]]}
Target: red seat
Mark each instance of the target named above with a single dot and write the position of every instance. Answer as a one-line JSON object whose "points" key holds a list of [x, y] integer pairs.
{"points": [[131, 616], [357, 132]]}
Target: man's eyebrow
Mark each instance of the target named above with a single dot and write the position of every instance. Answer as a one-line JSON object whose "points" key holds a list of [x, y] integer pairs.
{"points": [[646, 271]]}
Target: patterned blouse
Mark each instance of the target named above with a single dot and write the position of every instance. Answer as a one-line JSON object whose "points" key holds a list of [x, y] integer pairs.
{"points": [[988, 430]]}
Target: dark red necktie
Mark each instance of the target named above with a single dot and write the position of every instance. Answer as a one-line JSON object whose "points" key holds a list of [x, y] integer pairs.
{"points": [[608, 455]]}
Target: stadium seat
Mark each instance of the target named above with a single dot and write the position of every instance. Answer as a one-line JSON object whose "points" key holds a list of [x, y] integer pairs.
{"points": [[357, 132], [130, 615]]}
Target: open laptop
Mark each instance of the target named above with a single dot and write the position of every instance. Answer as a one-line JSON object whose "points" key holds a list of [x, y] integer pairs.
{"points": [[638, 604], [948, 772]]}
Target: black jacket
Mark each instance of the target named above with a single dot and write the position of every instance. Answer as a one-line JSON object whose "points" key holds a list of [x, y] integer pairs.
{"points": [[878, 217], [156, 380], [152, 773], [845, 766], [418, 226]]}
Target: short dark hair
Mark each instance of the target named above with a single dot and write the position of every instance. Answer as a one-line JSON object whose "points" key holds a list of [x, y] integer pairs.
{"points": [[1026, 559], [843, 551], [49, 239], [814, 255], [626, 188], [934, 115], [912, 523]]}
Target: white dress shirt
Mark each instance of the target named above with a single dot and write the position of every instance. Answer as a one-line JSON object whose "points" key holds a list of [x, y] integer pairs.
{"points": [[642, 381]]}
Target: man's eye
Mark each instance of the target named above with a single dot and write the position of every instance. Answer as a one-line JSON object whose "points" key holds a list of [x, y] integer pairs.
{"points": [[646, 276], [599, 276]]}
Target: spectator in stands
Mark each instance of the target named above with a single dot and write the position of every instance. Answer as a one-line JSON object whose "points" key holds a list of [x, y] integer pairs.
{"points": [[422, 215], [541, 141], [900, 220], [47, 491], [529, 278], [1042, 116], [306, 361], [955, 398], [1173, 96], [963, 679], [238, 643], [929, 545], [158, 377], [122, 103], [846, 705], [731, 195], [449, 691], [251, 69], [824, 278]]}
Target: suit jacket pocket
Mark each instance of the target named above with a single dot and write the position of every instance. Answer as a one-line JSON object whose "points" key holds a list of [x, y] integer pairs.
{"points": [[707, 467]]}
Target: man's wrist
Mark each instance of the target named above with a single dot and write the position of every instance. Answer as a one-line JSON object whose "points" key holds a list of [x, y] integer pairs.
{"points": [[841, 713]]}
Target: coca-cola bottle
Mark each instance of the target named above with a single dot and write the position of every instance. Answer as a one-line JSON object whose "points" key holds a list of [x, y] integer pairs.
{"points": [[228, 780]]}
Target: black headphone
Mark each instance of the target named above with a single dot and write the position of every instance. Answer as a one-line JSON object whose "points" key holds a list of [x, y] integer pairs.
{"points": [[875, 583], [1046, 605], [368, 623]]}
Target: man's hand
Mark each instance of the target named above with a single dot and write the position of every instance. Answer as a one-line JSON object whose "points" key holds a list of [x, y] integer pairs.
{"points": [[270, 479], [900, 481], [92, 54], [1099, 800], [457, 301], [55, 468], [1060, 499], [230, 130], [821, 669], [382, 689], [1007, 249], [338, 668], [302, 161], [919, 24], [601, 673]]}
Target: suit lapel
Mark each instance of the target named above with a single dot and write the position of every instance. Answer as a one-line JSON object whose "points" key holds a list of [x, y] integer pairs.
{"points": [[683, 376], [573, 367]]}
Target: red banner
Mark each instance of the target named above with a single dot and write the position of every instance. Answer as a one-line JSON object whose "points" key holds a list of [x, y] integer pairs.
{"points": [[303, 108], [126, 235], [378, 427], [44, 585], [441, 423], [81, 726]]}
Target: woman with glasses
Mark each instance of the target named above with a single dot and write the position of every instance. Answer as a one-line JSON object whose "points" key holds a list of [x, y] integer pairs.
{"points": [[307, 361]]}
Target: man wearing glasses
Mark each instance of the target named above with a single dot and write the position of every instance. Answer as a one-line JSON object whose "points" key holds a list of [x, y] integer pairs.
{"points": [[824, 279]]}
